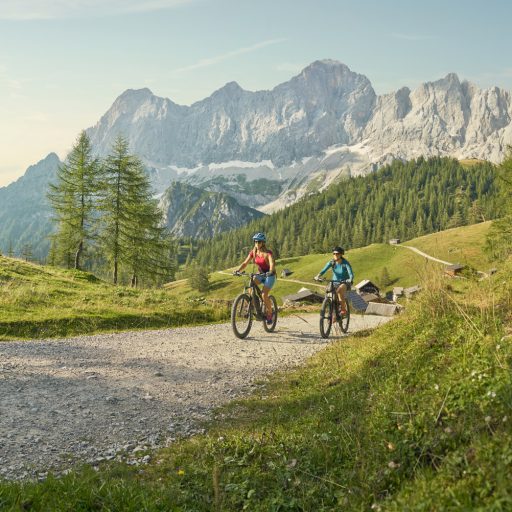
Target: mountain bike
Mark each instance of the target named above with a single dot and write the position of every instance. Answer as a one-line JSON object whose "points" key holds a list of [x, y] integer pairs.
{"points": [[331, 310], [249, 305]]}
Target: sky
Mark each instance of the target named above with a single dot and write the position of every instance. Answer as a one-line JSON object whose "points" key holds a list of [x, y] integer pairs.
{"points": [[64, 62]]}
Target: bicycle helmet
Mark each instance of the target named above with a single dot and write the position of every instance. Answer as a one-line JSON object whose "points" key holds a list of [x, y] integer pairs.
{"points": [[339, 250], [259, 237]]}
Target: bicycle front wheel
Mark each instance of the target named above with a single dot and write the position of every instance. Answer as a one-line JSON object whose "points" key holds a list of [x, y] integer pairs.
{"points": [[241, 316], [272, 326], [344, 320], [326, 313]]}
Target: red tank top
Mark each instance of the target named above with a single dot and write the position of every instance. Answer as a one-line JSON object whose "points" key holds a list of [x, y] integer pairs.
{"points": [[261, 261]]}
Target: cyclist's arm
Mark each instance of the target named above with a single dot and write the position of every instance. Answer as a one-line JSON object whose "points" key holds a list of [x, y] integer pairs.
{"points": [[350, 272], [328, 265], [245, 262], [271, 263]]}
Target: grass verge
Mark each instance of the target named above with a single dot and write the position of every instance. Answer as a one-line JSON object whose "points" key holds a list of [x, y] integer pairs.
{"points": [[414, 416]]}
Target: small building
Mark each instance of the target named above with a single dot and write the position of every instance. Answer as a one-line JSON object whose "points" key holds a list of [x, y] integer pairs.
{"points": [[382, 309], [412, 290], [286, 272], [454, 270], [357, 302], [394, 241], [398, 291], [366, 286], [303, 295], [370, 297]]}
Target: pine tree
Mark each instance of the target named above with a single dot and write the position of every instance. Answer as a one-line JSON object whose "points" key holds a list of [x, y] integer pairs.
{"points": [[385, 279], [26, 252], [72, 199], [499, 237], [199, 278], [131, 233]]}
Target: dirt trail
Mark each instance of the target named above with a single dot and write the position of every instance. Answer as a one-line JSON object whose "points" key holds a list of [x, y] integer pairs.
{"points": [[117, 396]]}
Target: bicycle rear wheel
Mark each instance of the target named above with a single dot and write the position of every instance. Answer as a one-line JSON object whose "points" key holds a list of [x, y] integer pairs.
{"points": [[241, 316], [272, 326], [344, 320], [326, 313]]}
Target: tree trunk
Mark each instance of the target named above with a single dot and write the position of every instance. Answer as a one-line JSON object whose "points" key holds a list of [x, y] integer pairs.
{"points": [[134, 281], [115, 272], [78, 254]]}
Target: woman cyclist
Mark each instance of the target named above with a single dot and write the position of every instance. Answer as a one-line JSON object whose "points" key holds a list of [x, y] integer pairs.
{"points": [[341, 272], [264, 260]]}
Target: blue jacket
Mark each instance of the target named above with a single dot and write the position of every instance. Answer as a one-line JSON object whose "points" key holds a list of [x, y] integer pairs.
{"points": [[341, 271]]}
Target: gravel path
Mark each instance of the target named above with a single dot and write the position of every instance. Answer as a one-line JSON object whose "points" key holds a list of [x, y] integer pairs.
{"points": [[117, 396]]}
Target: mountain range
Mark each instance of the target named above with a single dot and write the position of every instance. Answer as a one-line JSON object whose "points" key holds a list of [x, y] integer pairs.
{"points": [[266, 149], [325, 123]]}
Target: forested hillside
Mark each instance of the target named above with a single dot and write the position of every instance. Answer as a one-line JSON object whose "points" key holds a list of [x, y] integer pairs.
{"points": [[403, 200]]}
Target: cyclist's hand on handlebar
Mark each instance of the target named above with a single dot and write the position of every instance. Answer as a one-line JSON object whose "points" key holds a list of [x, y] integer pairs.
{"points": [[318, 277], [268, 274], [237, 273]]}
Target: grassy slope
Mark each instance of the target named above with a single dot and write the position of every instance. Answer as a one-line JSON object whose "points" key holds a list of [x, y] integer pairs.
{"points": [[37, 301], [405, 267], [457, 245], [415, 416]]}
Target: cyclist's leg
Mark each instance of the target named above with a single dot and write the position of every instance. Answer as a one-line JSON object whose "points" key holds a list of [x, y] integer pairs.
{"points": [[267, 286], [341, 291]]}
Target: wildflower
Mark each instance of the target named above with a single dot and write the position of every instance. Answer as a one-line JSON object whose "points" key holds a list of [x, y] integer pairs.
{"points": [[393, 465], [391, 447], [448, 430], [436, 387], [492, 394], [488, 419], [498, 347], [181, 472], [504, 419]]}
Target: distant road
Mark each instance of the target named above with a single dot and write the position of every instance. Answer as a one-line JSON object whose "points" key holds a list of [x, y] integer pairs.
{"points": [[421, 253]]}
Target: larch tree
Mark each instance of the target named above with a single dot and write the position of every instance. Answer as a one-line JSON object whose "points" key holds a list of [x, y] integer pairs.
{"points": [[72, 198], [132, 233]]}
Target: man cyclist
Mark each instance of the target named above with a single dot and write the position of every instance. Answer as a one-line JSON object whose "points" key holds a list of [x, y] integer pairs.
{"points": [[342, 273], [264, 260]]}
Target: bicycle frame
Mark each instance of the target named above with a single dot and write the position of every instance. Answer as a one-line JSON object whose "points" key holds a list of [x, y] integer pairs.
{"points": [[249, 305], [252, 285], [331, 306]]}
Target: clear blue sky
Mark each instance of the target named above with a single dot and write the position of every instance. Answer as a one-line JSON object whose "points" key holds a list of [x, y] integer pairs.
{"points": [[63, 63]]}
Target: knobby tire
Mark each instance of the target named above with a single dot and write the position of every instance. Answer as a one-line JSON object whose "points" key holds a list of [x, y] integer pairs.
{"points": [[241, 316], [326, 313]]}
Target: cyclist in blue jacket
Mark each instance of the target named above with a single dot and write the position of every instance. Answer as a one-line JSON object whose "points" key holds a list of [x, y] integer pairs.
{"points": [[342, 272]]}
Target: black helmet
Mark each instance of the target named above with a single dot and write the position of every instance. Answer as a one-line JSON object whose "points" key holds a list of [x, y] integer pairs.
{"points": [[339, 250]]}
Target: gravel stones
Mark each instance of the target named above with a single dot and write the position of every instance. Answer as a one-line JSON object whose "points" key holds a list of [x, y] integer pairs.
{"points": [[120, 396]]}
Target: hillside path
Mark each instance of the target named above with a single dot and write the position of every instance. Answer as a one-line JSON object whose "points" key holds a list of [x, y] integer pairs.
{"points": [[117, 396], [421, 253]]}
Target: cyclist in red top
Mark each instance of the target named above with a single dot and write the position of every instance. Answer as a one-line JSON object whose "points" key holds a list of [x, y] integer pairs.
{"points": [[264, 260]]}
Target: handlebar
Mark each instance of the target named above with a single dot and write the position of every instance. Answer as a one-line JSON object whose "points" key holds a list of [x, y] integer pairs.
{"points": [[252, 274]]}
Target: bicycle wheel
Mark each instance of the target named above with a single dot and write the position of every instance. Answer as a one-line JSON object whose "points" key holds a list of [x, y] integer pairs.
{"points": [[241, 316], [326, 313], [344, 320], [272, 326]]}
